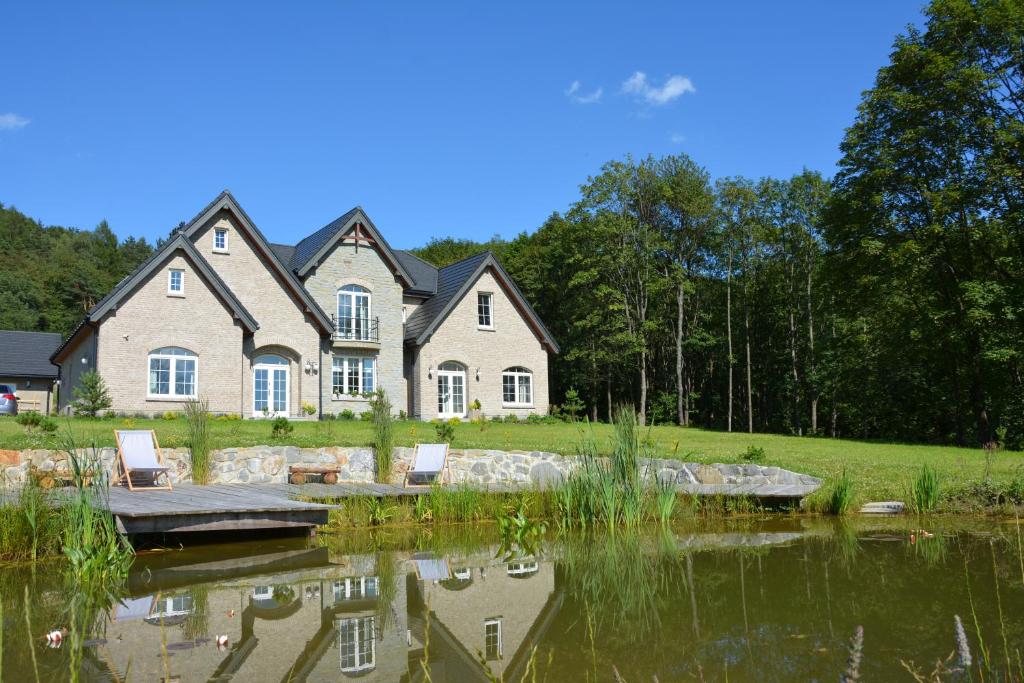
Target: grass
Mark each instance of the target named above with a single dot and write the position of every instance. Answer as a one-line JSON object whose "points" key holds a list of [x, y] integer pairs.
{"points": [[197, 419], [879, 471]]}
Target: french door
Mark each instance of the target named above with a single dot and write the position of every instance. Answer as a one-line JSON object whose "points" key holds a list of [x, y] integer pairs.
{"points": [[451, 391], [270, 388]]}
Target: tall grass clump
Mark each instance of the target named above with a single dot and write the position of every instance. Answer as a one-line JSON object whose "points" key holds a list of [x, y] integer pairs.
{"points": [[841, 496], [383, 434], [94, 548], [925, 492], [197, 419], [29, 525]]}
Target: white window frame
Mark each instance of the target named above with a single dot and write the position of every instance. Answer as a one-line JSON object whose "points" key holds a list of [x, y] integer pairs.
{"points": [[357, 628], [357, 588], [493, 621], [521, 567], [220, 232], [517, 373], [481, 297], [172, 369], [180, 291], [355, 326], [342, 364], [271, 368], [450, 375]]}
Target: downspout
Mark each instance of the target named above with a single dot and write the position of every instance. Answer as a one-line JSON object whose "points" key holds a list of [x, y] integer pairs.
{"points": [[320, 381]]}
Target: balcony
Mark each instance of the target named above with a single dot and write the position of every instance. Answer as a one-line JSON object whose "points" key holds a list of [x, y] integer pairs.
{"points": [[356, 333]]}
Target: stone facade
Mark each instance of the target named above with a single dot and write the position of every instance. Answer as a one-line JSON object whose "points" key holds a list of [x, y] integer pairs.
{"points": [[269, 464], [364, 267], [484, 353]]}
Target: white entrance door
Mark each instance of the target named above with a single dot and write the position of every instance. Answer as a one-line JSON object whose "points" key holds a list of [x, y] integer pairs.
{"points": [[270, 387], [451, 390]]}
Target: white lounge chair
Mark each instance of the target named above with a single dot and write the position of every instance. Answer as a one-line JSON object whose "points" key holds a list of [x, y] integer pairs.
{"points": [[429, 464], [139, 457], [430, 567]]}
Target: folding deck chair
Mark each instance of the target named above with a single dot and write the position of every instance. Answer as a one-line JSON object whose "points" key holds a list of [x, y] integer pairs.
{"points": [[429, 464], [139, 457]]}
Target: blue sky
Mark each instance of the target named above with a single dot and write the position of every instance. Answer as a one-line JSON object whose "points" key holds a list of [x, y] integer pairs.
{"points": [[461, 119]]}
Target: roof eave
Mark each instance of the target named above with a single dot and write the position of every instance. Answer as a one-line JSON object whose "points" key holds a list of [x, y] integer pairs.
{"points": [[359, 216]]}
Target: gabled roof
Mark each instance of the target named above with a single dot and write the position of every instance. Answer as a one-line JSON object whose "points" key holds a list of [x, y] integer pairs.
{"points": [[225, 201], [424, 274], [27, 354], [453, 282], [179, 241], [310, 252]]}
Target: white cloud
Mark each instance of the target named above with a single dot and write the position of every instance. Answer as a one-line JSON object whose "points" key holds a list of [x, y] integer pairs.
{"points": [[12, 122], [574, 94], [674, 87], [677, 138]]}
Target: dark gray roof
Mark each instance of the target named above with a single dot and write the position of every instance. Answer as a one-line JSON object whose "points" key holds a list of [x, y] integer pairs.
{"points": [[284, 252], [309, 246], [424, 275], [27, 354], [453, 282]]}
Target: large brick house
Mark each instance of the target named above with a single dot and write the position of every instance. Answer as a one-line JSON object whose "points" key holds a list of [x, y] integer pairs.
{"points": [[261, 329]]}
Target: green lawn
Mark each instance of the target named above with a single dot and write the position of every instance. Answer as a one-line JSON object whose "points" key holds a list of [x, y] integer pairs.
{"points": [[879, 470]]}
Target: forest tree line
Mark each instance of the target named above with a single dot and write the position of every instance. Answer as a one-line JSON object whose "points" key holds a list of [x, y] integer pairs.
{"points": [[886, 302]]}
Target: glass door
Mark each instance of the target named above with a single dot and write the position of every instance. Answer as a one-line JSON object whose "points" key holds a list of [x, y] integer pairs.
{"points": [[451, 391], [270, 387]]}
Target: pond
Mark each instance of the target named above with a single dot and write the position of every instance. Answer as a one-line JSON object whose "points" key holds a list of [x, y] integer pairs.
{"points": [[766, 599]]}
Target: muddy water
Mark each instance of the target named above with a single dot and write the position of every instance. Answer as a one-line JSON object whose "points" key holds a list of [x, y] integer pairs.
{"points": [[772, 599]]}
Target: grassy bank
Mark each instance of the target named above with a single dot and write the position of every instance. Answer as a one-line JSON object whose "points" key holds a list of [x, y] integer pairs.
{"points": [[878, 471]]}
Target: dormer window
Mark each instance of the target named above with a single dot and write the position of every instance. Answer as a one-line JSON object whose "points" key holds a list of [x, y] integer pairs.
{"points": [[485, 311], [176, 282], [220, 239]]}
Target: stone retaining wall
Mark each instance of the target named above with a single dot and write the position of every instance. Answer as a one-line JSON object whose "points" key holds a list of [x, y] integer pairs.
{"points": [[266, 464]]}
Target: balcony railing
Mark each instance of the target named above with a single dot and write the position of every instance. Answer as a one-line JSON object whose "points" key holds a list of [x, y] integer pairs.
{"points": [[356, 329]]}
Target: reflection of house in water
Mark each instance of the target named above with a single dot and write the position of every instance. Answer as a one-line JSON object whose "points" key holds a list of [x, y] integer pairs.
{"points": [[495, 610]]}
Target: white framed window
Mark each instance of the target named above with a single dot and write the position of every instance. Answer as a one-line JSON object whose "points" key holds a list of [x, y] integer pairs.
{"points": [[353, 375], [356, 643], [522, 568], [176, 281], [355, 588], [485, 310], [517, 387], [451, 390], [492, 639], [353, 313], [173, 373], [270, 385], [220, 239], [405, 315]]}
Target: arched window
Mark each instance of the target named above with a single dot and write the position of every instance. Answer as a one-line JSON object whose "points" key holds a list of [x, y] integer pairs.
{"points": [[451, 390], [353, 313], [517, 387], [172, 373]]}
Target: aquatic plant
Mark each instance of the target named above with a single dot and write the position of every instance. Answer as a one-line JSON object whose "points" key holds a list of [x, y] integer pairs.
{"points": [[925, 492], [383, 434], [197, 419], [665, 500], [841, 495]]}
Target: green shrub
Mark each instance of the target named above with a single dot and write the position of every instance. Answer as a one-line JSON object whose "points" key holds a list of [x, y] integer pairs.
{"points": [[197, 416], [511, 418], [497, 418], [346, 415], [366, 416], [753, 454], [33, 421], [445, 431], [573, 405], [841, 496], [925, 492], [281, 427], [170, 415], [308, 408], [402, 415], [383, 434], [91, 395]]}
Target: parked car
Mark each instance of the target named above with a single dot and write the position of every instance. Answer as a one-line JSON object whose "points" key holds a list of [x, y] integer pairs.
{"points": [[8, 401]]}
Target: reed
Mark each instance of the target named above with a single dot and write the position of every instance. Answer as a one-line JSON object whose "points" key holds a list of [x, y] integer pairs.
{"points": [[925, 492], [383, 434], [841, 495], [197, 419]]}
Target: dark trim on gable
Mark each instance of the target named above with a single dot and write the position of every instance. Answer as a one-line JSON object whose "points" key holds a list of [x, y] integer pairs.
{"points": [[226, 202], [360, 217], [178, 242], [517, 298]]}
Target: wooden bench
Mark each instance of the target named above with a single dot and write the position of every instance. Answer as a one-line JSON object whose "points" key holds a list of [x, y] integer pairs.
{"points": [[297, 473]]}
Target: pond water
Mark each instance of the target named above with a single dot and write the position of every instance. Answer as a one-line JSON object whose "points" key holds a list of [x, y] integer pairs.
{"points": [[767, 599]]}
